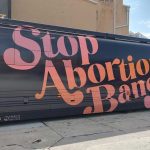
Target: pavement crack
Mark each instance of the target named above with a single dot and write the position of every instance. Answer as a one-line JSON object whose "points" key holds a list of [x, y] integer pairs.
{"points": [[11, 145], [52, 129], [106, 125], [118, 129], [56, 142], [96, 133]]}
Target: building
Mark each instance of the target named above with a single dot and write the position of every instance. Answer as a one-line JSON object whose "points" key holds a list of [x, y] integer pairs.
{"points": [[96, 15], [5, 8]]}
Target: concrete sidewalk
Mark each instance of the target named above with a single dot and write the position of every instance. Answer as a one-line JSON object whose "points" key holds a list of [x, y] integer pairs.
{"points": [[111, 131], [132, 141]]}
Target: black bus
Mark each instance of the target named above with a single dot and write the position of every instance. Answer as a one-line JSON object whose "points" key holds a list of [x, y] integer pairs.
{"points": [[50, 71]]}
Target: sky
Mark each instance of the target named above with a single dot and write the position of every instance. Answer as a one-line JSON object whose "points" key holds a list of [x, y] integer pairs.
{"points": [[139, 16]]}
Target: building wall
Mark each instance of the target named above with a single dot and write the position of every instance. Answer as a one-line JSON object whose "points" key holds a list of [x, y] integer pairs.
{"points": [[122, 18], [113, 17], [68, 13], [106, 17], [82, 14]]}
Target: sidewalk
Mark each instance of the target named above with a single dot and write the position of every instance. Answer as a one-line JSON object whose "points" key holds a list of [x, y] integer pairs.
{"points": [[112, 132], [133, 141]]}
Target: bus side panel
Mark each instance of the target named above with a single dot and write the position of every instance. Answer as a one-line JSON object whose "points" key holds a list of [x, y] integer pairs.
{"points": [[44, 74]]}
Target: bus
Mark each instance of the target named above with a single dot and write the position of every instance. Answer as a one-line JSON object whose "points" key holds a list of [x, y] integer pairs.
{"points": [[50, 71]]}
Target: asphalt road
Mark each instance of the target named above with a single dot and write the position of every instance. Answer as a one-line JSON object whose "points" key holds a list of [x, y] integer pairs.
{"points": [[125, 131]]}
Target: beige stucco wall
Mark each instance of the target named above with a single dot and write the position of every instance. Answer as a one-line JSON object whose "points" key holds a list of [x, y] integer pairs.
{"points": [[68, 13], [80, 14], [121, 18], [106, 18]]}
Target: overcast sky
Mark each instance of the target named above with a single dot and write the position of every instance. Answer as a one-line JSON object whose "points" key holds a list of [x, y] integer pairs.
{"points": [[139, 16]]}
